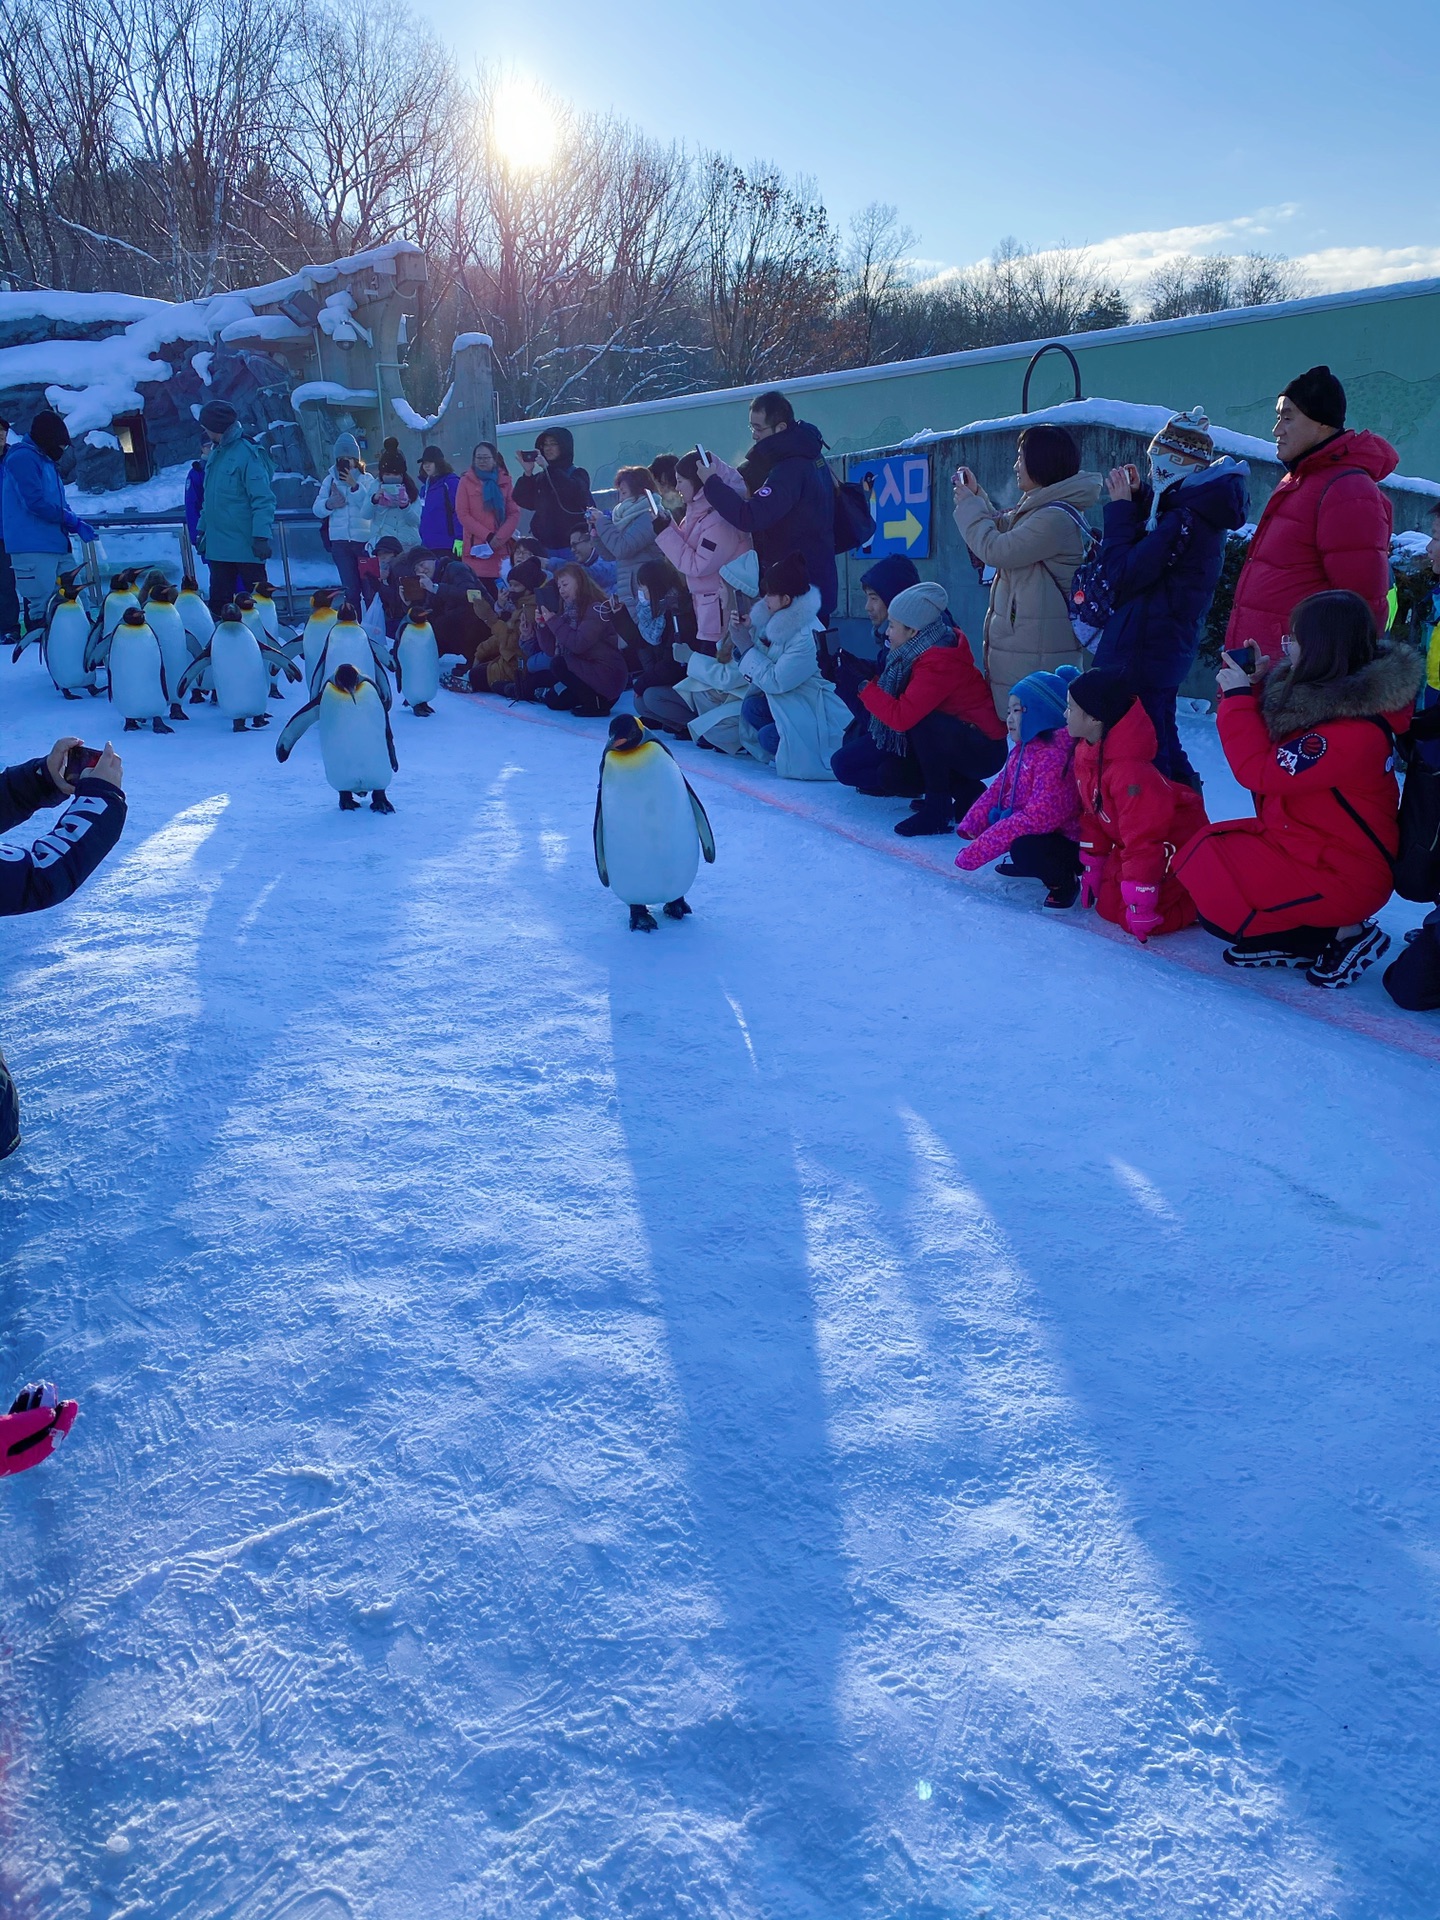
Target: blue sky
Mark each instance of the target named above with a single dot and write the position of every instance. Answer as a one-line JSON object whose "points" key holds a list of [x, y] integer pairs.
{"points": [[1136, 129]]}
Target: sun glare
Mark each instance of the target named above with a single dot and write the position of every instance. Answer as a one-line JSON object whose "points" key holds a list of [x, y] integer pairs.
{"points": [[523, 124]]}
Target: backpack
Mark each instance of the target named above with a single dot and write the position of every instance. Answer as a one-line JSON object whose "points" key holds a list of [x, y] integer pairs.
{"points": [[1415, 865], [1088, 601], [854, 522]]}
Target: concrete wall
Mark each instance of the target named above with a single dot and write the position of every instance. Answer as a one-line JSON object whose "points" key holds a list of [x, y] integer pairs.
{"points": [[1384, 343]]}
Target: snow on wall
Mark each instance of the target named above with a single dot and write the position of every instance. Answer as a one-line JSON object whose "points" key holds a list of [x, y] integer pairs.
{"points": [[334, 393]]}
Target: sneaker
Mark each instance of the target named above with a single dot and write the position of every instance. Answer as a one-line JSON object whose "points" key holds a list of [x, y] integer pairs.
{"points": [[1302, 947], [1065, 896], [1007, 869], [1343, 961], [916, 824]]}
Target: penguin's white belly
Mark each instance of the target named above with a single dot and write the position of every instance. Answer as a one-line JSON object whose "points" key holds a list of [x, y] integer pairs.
{"points": [[419, 661], [652, 848], [350, 644], [135, 677], [174, 648], [317, 632], [352, 746], [116, 607], [65, 649], [241, 682]]}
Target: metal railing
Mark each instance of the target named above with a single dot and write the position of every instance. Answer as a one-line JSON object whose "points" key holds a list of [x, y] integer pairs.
{"points": [[91, 575]]}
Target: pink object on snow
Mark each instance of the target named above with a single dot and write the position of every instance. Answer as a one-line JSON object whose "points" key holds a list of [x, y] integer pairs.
{"points": [[1037, 784], [34, 1427]]}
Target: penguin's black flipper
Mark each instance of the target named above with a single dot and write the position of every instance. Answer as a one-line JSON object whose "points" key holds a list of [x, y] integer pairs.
{"points": [[298, 725], [30, 639], [390, 742], [192, 673], [382, 655], [278, 662], [702, 825], [97, 650], [599, 832]]}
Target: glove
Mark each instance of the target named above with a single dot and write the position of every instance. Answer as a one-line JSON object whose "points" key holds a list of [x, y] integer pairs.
{"points": [[34, 1426], [83, 530], [262, 549], [1141, 902], [1092, 866], [661, 521]]}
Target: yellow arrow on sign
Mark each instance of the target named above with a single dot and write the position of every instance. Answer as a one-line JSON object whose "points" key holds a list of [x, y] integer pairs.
{"points": [[909, 529]]}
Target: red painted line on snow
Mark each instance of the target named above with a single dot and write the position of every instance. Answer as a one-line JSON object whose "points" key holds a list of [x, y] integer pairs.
{"points": [[1407, 1033]]}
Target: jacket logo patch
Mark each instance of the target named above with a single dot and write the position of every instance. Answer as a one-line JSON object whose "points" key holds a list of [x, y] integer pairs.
{"points": [[763, 494], [1302, 754]]}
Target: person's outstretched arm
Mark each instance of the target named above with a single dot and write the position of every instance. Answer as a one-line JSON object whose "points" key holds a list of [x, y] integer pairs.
{"points": [[49, 870]]}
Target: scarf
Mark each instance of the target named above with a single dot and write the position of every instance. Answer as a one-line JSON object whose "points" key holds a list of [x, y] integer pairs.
{"points": [[896, 678], [490, 491]]}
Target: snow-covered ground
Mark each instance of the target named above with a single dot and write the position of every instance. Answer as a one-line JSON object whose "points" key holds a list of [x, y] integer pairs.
{"points": [[874, 1404]]}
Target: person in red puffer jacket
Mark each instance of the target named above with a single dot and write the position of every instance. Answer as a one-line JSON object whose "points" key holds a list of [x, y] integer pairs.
{"points": [[1132, 818], [1313, 741], [1327, 524], [933, 730]]}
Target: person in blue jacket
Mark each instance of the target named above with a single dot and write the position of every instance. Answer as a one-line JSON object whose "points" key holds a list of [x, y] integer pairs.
{"points": [[790, 506], [35, 520], [1161, 556], [48, 872]]}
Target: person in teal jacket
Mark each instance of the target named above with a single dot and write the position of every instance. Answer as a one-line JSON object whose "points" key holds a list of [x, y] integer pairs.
{"points": [[236, 531]]}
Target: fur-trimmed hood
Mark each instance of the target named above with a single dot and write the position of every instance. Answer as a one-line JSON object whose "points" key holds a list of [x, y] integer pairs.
{"points": [[786, 623], [1388, 684]]}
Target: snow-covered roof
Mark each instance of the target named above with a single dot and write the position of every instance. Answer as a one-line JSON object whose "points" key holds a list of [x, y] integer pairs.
{"points": [[91, 381]]}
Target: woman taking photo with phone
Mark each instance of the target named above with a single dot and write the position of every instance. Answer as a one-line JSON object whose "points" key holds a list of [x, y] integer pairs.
{"points": [[345, 502], [439, 518], [1313, 741], [489, 513], [556, 492], [587, 669]]}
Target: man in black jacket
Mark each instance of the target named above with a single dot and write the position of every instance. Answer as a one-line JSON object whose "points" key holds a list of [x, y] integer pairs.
{"points": [[791, 495], [58, 862]]}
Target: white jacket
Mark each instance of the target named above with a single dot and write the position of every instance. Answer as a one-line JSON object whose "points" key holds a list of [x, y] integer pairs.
{"points": [[352, 521], [714, 689], [784, 665]]}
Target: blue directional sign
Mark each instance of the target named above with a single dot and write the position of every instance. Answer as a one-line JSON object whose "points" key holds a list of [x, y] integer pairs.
{"points": [[898, 489]]}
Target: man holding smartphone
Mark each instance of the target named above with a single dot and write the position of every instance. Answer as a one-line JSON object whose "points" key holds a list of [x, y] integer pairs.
{"points": [[50, 870]]}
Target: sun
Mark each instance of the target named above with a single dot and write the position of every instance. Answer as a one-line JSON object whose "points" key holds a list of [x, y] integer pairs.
{"points": [[524, 127]]}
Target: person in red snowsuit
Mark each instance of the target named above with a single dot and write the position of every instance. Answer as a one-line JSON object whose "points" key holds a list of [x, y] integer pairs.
{"points": [[1327, 525], [1313, 741], [1132, 818]]}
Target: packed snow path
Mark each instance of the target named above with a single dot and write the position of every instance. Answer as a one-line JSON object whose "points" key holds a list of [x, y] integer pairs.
{"points": [[872, 1403]]}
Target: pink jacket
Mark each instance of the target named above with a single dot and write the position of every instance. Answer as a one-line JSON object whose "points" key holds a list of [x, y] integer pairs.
{"points": [[699, 545], [1037, 784]]}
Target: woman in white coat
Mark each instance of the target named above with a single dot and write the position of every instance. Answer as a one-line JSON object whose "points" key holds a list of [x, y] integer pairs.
{"points": [[793, 715], [346, 503]]}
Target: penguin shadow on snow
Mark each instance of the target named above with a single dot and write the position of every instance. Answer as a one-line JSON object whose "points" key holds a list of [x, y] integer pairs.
{"points": [[715, 1185]]}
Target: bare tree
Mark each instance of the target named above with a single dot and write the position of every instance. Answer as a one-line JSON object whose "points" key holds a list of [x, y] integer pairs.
{"points": [[1211, 283], [876, 279], [772, 273]]}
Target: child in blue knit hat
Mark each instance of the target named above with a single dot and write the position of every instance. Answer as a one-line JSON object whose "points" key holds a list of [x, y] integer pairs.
{"points": [[1032, 810]]}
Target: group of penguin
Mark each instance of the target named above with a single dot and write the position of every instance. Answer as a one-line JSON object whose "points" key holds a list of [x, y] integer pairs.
{"points": [[650, 829], [153, 650]]}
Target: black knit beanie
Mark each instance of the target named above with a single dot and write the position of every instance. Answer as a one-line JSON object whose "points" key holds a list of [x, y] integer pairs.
{"points": [[218, 416], [50, 434], [1319, 396], [1103, 696]]}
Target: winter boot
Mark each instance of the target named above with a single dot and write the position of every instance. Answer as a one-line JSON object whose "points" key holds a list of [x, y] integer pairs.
{"points": [[1343, 961]]}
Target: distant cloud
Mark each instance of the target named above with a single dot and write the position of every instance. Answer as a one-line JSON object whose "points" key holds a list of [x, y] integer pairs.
{"points": [[1335, 268]]}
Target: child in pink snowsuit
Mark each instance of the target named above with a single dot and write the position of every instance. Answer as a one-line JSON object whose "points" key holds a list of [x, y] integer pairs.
{"points": [[1031, 810]]}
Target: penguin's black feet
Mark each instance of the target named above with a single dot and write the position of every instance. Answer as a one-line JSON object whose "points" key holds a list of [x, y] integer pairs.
{"points": [[237, 726], [94, 692], [260, 720], [177, 712], [132, 726], [66, 694], [348, 803], [379, 804], [677, 909], [197, 698], [424, 710], [158, 726], [275, 693], [643, 921]]}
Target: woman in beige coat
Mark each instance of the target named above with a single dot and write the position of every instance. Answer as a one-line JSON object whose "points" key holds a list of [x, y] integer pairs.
{"points": [[1034, 549]]}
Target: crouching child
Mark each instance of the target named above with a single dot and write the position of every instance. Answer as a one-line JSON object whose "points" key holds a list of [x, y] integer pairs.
{"points": [[1031, 814]]}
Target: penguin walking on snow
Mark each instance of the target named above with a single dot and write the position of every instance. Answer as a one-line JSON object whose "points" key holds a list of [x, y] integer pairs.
{"points": [[417, 663], [317, 628], [136, 670], [348, 642], [199, 625], [163, 617], [239, 667], [63, 642], [356, 743], [650, 829]]}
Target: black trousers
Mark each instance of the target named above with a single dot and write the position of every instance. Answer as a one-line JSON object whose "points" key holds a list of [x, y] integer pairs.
{"points": [[955, 759], [1051, 857], [576, 697], [229, 577]]}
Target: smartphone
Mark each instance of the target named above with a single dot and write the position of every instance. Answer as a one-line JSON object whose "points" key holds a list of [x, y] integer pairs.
{"points": [[1244, 656], [654, 499], [532, 454], [78, 761], [702, 455]]}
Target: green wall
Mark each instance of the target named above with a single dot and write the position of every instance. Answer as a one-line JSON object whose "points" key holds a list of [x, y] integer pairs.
{"points": [[1384, 343]]}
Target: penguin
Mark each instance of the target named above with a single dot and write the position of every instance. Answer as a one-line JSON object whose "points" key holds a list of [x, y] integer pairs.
{"points": [[199, 625], [650, 829], [119, 600], [137, 673], [254, 619], [240, 667], [356, 743], [417, 663], [63, 642], [165, 623], [322, 617], [263, 594], [347, 640]]}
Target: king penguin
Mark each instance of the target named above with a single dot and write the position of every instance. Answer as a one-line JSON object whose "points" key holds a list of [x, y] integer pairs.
{"points": [[348, 643], [356, 744], [417, 663], [118, 601], [650, 829], [317, 628], [199, 625], [239, 666], [63, 642], [168, 628], [137, 673]]}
